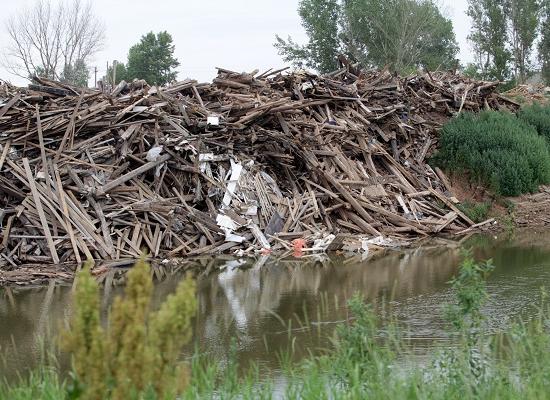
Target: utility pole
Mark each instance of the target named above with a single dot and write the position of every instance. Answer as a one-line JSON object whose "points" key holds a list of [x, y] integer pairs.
{"points": [[95, 77], [114, 73]]}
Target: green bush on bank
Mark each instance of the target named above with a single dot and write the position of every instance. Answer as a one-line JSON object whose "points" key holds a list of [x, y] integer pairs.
{"points": [[496, 149], [538, 116], [477, 212]]}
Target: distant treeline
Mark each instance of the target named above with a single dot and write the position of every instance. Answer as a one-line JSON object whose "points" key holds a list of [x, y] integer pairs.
{"points": [[510, 38]]}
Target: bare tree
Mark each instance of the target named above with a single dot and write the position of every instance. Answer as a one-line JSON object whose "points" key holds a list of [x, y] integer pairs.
{"points": [[47, 39]]}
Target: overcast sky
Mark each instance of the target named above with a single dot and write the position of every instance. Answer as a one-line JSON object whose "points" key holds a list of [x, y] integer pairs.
{"points": [[232, 34]]}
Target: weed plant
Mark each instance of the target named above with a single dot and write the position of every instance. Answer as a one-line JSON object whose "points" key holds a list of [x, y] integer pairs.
{"points": [[136, 355], [477, 212]]}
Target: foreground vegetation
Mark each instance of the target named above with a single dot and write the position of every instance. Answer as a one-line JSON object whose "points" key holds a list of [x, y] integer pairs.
{"points": [[369, 359]]}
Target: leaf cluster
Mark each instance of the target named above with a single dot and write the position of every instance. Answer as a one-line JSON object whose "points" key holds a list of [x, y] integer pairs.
{"points": [[151, 59], [477, 212], [537, 115], [76, 74]]}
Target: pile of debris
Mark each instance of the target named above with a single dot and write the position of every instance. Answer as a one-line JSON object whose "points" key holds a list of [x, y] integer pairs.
{"points": [[248, 162], [529, 93]]}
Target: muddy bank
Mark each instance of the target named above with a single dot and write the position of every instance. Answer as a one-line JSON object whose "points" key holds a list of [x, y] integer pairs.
{"points": [[532, 210]]}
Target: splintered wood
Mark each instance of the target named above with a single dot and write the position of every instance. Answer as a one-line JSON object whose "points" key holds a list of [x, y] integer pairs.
{"points": [[244, 163]]}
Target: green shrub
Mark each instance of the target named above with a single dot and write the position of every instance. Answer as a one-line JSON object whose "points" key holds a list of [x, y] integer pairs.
{"points": [[538, 116], [496, 149], [504, 87], [477, 212]]}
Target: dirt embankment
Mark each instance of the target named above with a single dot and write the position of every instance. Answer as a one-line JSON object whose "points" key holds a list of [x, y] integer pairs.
{"points": [[532, 210]]}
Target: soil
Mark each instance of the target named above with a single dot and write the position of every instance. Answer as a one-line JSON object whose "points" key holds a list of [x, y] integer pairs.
{"points": [[531, 211], [464, 190]]}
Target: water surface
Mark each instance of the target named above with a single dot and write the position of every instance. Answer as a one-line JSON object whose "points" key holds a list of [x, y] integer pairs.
{"points": [[265, 306]]}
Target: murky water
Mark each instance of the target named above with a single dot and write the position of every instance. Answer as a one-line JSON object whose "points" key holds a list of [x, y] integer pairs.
{"points": [[266, 306]]}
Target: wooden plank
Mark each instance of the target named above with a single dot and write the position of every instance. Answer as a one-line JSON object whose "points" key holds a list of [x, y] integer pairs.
{"points": [[69, 131], [9, 104], [5, 151], [61, 195], [132, 174], [43, 220], [451, 206], [352, 201]]}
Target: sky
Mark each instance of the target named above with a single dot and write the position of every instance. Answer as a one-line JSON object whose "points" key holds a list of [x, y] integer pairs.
{"points": [[232, 34]]}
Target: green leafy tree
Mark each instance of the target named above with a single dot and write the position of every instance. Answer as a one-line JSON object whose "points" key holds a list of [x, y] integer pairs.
{"points": [[481, 53], [523, 16], [153, 59], [544, 44], [320, 21], [489, 38], [77, 74], [402, 34], [121, 74], [472, 71]]}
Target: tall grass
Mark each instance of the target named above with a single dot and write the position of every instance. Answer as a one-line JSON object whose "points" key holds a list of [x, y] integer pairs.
{"points": [[496, 149], [369, 361]]}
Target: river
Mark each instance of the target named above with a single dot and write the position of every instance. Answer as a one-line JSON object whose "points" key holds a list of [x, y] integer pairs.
{"points": [[267, 305]]}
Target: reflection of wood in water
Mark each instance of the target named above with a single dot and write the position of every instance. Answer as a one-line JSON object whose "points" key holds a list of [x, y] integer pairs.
{"points": [[241, 302], [28, 318]]}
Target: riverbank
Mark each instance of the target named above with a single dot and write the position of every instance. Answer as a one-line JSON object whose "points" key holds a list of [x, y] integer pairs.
{"points": [[532, 210], [525, 212], [502, 223]]}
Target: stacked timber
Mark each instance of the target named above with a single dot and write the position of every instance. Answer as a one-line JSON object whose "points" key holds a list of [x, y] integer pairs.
{"points": [[248, 162], [537, 93]]}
